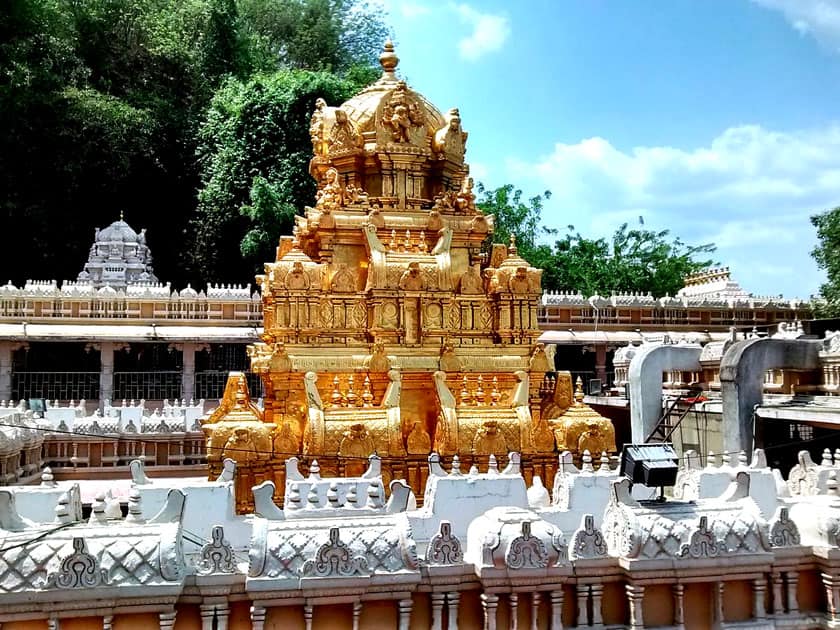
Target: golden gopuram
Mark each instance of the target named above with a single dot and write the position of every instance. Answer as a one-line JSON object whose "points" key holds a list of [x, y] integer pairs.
{"points": [[389, 326]]}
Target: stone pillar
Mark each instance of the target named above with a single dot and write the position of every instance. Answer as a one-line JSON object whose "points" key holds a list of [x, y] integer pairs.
{"points": [[166, 619], [635, 597], [357, 613], [557, 609], [597, 593], [307, 616], [107, 622], [601, 362], [514, 611], [490, 603], [535, 609], [759, 589], [582, 597], [53, 623], [6, 350], [778, 607], [257, 617], [437, 610], [106, 373], [792, 599], [679, 605], [453, 598], [405, 614], [188, 371]]}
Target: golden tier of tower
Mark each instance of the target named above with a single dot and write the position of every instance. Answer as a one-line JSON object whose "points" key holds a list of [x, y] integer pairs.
{"points": [[387, 327]]}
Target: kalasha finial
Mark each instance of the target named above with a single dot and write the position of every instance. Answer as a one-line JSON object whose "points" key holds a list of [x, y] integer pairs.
{"points": [[122, 215], [388, 59], [578, 391], [512, 247]]}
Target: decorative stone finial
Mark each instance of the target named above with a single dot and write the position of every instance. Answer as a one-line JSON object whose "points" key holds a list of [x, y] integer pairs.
{"points": [[388, 59]]}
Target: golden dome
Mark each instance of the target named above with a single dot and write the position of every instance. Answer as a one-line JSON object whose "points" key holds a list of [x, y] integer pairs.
{"points": [[362, 109]]}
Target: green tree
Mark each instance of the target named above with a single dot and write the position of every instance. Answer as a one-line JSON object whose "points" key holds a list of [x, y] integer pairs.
{"points": [[827, 255], [632, 260], [254, 152]]}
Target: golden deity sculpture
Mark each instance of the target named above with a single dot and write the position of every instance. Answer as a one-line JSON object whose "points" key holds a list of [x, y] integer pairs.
{"points": [[387, 327]]}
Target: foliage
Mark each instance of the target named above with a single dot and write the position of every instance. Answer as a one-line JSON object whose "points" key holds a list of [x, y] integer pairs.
{"points": [[632, 260], [106, 106], [827, 255], [254, 150]]}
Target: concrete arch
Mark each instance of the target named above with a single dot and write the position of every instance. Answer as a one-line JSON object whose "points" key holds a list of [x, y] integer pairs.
{"points": [[645, 376], [742, 371]]}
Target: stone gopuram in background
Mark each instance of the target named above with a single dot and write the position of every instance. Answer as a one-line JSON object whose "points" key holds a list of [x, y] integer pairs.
{"points": [[388, 326]]}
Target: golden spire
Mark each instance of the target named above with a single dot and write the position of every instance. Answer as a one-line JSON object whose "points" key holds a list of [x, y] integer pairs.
{"points": [[388, 60], [578, 393], [512, 246]]}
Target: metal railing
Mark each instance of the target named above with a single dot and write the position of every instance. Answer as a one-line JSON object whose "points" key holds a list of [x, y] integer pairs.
{"points": [[55, 385], [147, 385]]}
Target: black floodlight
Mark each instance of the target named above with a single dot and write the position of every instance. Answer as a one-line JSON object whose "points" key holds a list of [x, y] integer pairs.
{"points": [[652, 465]]}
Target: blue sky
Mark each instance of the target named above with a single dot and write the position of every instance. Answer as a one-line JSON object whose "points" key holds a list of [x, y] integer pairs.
{"points": [[716, 119]]}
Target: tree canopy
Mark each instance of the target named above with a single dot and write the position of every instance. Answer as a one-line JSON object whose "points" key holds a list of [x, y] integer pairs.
{"points": [[633, 260], [827, 255], [107, 106]]}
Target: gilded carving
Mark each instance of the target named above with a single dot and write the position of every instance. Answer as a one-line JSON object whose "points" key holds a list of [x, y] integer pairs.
{"points": [[344, 280], [471, 283], [489, 440], [412, 278], [451, 139], [449, 361], [343, 136], [402, 117], [418, 441], [317, 129], [357, 442]]}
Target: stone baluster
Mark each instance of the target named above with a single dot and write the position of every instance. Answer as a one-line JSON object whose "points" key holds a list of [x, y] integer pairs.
{"points": [[167, 620], [717, 602], [405, 614], [679, 605], [597, 593], [792, 600], [222, 615], [535, 609], [357, 614], [307, 616], [778, 607], [514, 611], [557, 609], [257, 617], [453, 599], [437, 610], [582, 598], [53, 623], [490, 603], [208, 615], [635, 597], [759, 589], [108, 622], [832, 596]]}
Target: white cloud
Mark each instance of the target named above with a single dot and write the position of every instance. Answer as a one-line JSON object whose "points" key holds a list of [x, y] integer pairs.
{"points": [[750, 190], [489, 32], [818, 18]]}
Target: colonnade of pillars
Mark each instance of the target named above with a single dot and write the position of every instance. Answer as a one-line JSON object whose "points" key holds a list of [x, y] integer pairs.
{"points": [[215, 612]]}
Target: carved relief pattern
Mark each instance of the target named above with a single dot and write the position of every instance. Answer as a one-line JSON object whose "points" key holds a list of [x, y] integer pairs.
{"points": [[588, 542], [78, 570], [444, 547], [526, 551], [217, 555], [783, 531], [335, 559], [702, 543]]}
